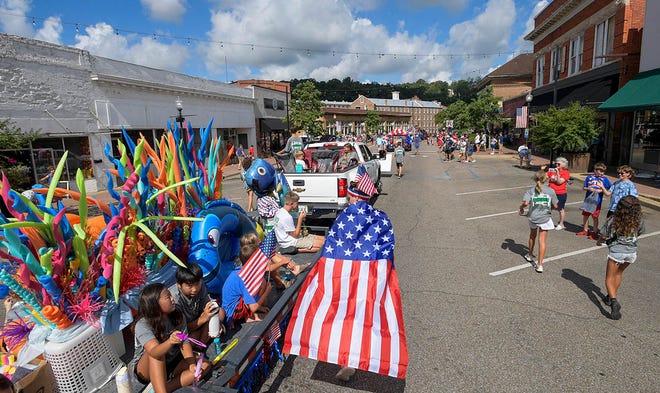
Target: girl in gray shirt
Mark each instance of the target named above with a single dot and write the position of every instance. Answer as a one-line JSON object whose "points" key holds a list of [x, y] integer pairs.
{"points": [[620, 233], [540, 199]]}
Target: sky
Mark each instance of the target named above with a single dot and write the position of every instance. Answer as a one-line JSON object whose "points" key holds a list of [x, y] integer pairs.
{"points": [[384, 41]]}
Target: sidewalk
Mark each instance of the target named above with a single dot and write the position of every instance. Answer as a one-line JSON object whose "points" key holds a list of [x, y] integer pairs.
{"points": [[648, 188]]}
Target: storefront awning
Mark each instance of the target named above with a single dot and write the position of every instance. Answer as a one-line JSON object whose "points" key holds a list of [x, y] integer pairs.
{"points": [[274, 124], [640, 93]]}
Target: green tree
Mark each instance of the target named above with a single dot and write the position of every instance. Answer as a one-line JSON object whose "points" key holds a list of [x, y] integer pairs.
{"points": [[456, 112], [570, 130], [372, 121], [483, 111], [13, 142], [305, 109]]}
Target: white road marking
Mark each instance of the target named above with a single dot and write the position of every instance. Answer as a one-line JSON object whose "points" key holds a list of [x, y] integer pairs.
{"points": [[505, 213], [568, 254], [493, 190]]}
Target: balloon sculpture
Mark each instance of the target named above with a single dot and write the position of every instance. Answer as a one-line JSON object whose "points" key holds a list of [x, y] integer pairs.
{"points": [[169, 208]]}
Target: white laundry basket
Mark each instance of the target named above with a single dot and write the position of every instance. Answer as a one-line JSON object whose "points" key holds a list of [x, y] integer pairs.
{"points": [[84, 363]]}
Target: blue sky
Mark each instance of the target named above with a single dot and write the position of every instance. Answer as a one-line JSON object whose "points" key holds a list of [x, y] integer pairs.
{"points": [[368, 40]]}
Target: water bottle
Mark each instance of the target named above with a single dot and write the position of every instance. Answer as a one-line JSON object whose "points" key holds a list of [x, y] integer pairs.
{"points": [[214, 322], [123, 381]]}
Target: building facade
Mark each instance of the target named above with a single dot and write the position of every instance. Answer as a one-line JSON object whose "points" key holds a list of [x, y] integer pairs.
{"points": [[585, 50], [79, 103], [512, 79], [342, 118], [272, 113]]}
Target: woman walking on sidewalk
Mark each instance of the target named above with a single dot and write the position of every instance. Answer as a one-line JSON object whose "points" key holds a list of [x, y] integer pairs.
{"points": [[620, 233], [540, 199]]}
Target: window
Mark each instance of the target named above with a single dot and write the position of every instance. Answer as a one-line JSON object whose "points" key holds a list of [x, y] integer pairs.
{"points": [[603, 41], [575, 55], [540, 68], [555, 63]]}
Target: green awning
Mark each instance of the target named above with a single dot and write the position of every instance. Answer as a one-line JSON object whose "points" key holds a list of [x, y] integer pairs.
{"points": [[641, 93]]}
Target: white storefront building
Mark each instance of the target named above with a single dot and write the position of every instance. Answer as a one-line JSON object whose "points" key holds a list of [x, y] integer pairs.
{"points": [[79, 103]]}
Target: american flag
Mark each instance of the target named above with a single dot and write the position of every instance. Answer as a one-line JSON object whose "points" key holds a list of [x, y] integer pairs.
{"points": [[274, 333], [253, 270], [348, 311], [364, 182], [521, 117]]}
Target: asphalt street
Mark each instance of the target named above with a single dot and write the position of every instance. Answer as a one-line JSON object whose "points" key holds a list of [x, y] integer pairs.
{"points": [[478, 317]]}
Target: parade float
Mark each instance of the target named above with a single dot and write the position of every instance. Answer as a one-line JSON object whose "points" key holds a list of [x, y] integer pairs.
{"points": [[77, 278]]}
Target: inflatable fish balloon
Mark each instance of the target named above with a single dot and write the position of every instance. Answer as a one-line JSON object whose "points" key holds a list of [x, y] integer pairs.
{"points": [[215, 241], [261, 177]]}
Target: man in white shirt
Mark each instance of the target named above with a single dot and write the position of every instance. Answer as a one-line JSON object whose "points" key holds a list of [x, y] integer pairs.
{"points": [[288, 234]]}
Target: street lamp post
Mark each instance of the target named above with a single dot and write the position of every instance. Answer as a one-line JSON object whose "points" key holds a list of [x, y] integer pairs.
{"points": [[179, 107], [529, 97]]}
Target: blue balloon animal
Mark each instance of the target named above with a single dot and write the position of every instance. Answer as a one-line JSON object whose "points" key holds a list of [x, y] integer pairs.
{"points": [[215, 241]]}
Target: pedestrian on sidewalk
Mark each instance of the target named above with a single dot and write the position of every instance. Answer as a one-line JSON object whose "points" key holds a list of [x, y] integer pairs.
{"points": [[540, 199], [620, 233]]}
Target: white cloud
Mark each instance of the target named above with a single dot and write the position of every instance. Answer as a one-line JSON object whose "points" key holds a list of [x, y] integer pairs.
{"points": [[452, 5], [101, 40], [12, 17], [51, 30], [483, 37], [165, 10], [521, 43], [289, 43]]}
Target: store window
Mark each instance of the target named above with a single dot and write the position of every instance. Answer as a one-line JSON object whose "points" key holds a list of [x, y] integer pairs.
{"points": [[48, 152], [646, 140]]}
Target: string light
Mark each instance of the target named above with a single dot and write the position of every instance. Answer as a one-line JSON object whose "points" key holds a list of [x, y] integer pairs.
{"points": [[252, 46]]}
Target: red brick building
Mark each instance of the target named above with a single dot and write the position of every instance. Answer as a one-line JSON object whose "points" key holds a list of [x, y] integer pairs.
{"points": [[585, 51]]}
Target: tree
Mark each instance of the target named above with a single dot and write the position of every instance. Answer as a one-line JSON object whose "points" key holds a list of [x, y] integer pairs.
{"points": [[484, 110], [456, 112], [571, 129], [305, 109], [372, 121], [13, 143]]}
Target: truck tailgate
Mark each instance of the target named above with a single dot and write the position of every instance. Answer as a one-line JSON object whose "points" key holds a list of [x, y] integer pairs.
{"points": [[315, 187]]}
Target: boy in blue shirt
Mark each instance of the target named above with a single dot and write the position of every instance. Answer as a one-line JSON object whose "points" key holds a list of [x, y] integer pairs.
{"points": [[593, 185]]}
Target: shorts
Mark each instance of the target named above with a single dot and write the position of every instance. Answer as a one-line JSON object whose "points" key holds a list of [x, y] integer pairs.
{"points": [[595, 214], [170, 366], [306, 243], [546, 226], [623, 257], [562, 201], [399, 164]]}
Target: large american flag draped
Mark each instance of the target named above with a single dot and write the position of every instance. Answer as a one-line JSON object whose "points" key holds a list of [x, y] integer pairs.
{"points": [[521, 117], [364, 182], [349, 309], [253, 270]]}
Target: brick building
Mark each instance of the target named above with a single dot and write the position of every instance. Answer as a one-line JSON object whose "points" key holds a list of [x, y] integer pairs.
{"points": [[512, 79], [641, 96], [585, 51], [348, 117]]}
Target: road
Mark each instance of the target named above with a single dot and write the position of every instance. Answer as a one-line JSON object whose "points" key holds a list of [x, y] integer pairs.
{"points": [[478, 318]]}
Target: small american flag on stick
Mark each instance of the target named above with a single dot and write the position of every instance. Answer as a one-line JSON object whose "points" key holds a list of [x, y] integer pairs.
{"points": [[252, 272]]}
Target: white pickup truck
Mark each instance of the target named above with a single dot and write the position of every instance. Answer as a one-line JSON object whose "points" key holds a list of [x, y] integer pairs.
{"points": [[323, 188]]}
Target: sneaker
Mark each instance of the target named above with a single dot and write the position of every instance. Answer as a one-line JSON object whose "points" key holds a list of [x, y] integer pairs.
{"points": [[607, 300], [559, 227], [583, 233], [539, 268], [616, 309], [530, 258]]}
